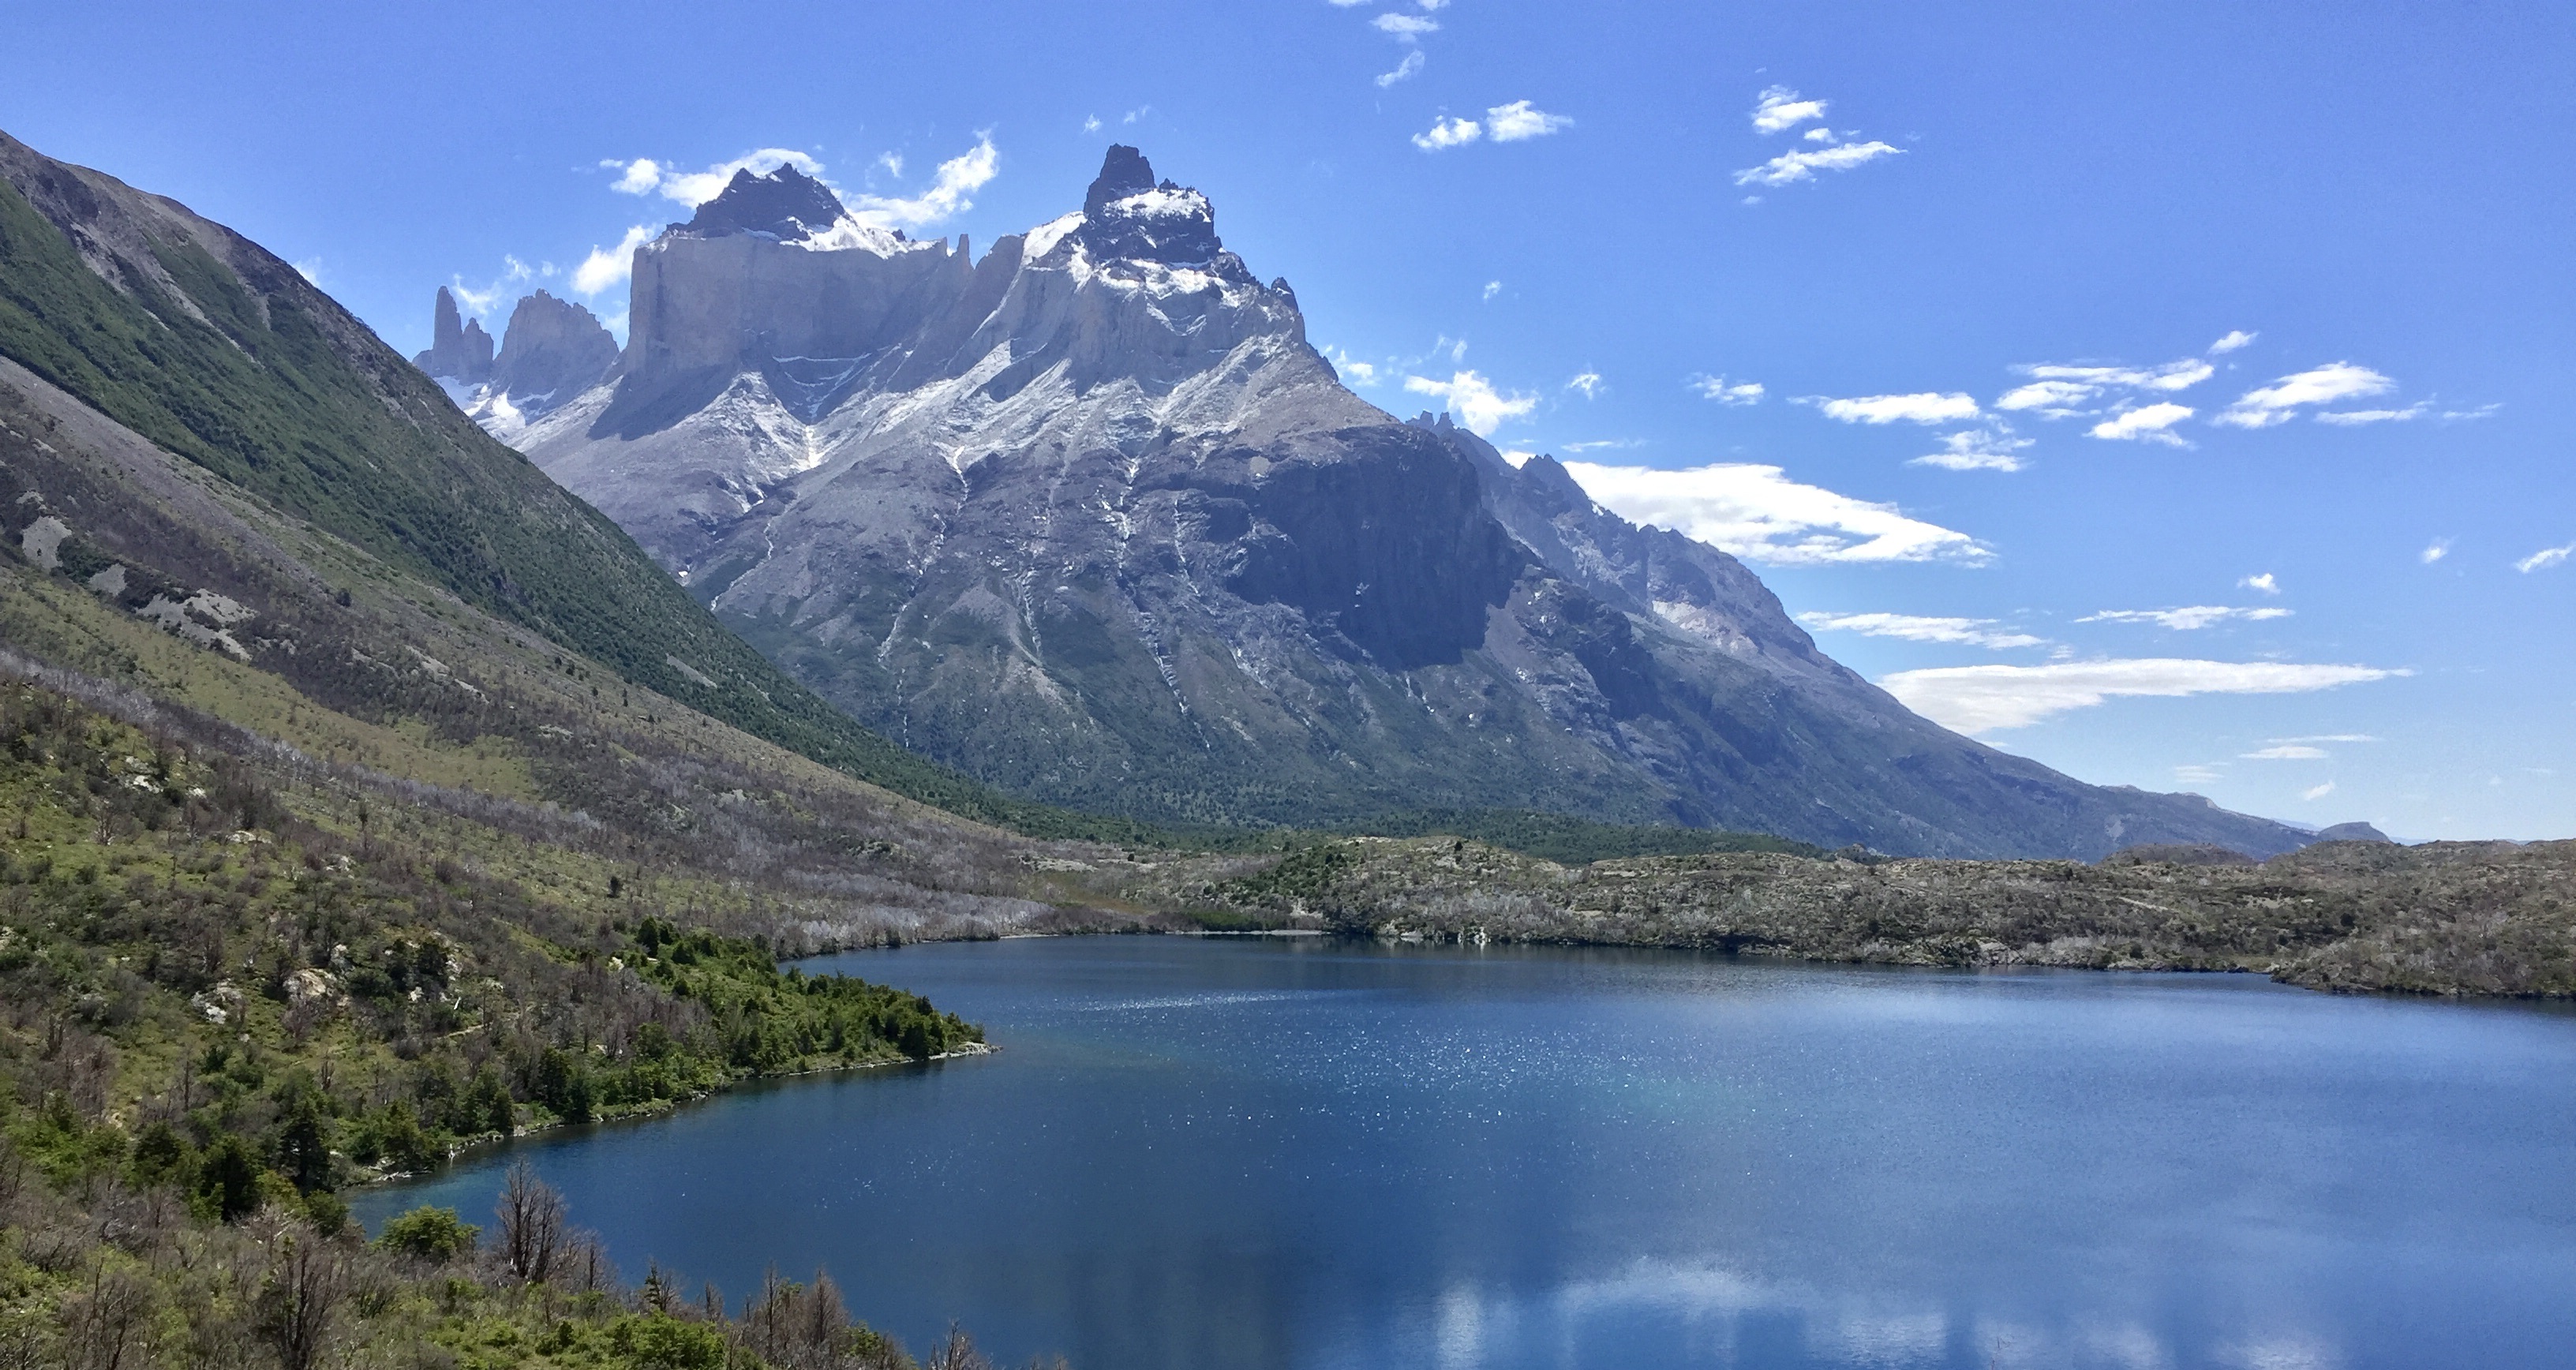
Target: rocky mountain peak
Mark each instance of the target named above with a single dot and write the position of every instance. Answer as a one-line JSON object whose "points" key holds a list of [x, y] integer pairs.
{"points": [[554, 349], [786, 204], [1128, 214], [459, 349]]}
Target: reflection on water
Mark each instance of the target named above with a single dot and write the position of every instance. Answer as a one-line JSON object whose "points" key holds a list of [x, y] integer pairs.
{"points": [[1313, 1156]]}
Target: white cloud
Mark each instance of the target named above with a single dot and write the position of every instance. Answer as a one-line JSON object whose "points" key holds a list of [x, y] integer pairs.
{"points": [[2545, 558], [2434, 551], [1977, 449], [1590, 384], [1404, 70], [641, 175], [2267, 583], [2288, 751], [502, 290], [1474, 400], [1978, 699], [2328, 737], [2279, 402], [1926, 407], [1449, 132], [1404, 28], [951, 192], [1791, 167], [1819, 135], [2148, 423], [1493, 288], [1353, 370], [2185, 619], [2317, 791], [1974, 632], [1779, 109], [1734, 396], [1091, 123], [1520, 120], [2354, 418], [1345, 4], [2057, 391], [892, 162], [310, 269], [2196, 775], [605, 267], [1757, 513], [2236, 338]]}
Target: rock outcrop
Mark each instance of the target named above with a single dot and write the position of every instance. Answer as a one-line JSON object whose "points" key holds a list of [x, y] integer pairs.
{"points": [[1090, 519], [554, 348], [459, 349]]}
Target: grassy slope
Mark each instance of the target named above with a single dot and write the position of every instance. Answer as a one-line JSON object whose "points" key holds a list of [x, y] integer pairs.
{"points": [[281, 393]]}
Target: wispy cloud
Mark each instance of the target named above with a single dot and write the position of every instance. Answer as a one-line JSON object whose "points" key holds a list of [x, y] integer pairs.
{"points": [[1758, 513], [1521, 120], [1979, 699], [1404, 70], [1493, 288], [1977, 449], [2058, 390], [2316, 792], [607, 266], [2197, 775], [2545, 558], [2288, 751], [2354, 418], [1353, 370], [2326, 737], [2266, 583], [2146, 423], [1588, 384], [2434, 551], [2186, 619], [1404, 27], [1717, 388], [1973, 632], [951, 192], [1789, 168], [1925, 407], [1448, 133], [1474, 400], [1780, 109], [2236, 340], [2280, 401]]}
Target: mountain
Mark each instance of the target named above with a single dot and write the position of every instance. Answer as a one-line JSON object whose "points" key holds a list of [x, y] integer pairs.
{"points": [[459, 349], [551, 351], [186, 339], [1090, 520]]}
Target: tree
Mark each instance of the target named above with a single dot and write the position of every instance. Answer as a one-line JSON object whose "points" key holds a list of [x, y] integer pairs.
{"points": [[228, 1178], [298, 1297], [531, 1224]]}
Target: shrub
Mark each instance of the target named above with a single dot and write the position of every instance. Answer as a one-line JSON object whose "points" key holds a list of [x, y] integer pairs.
{"points": [[431, 1234]]}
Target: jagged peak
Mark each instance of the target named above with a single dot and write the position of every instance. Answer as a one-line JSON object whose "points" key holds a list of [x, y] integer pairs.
{"points": [[786, 204], [1128, 214], [1123, 172]]}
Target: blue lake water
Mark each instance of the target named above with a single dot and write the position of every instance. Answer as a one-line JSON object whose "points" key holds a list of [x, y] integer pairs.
{"points": [[1315, 1155]]}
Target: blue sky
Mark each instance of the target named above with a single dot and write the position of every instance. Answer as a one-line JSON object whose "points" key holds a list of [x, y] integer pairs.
{"points": [[2083, 199]]}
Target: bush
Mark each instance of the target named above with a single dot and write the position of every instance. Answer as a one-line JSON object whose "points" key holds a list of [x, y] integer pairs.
{"points": [[432, 1234], [662, 1342]]}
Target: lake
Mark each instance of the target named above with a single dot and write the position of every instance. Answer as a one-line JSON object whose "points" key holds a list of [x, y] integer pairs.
{"points": [[1318, 1155]]}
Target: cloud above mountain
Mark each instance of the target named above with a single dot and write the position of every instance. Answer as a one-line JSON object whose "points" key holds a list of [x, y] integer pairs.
{"points": [[949, 193], [1759, 514], [1970, 632], [1983, 699]]}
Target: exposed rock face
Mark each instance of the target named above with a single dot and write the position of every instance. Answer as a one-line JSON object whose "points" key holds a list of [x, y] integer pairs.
{"points": [[2352, 832], [1090, 519], [459, 349], [553, 349]]}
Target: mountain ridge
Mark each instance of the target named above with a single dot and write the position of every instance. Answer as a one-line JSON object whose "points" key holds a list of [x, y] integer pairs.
{"points": [[1089, 518]]}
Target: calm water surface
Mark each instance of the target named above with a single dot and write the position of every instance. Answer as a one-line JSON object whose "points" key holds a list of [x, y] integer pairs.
{"points": [[1238, 1153]]}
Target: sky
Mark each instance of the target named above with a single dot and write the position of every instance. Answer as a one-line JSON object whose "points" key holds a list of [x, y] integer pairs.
{"points": [[2176, 394]]}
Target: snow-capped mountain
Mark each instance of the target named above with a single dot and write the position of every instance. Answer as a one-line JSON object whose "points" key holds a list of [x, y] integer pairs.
{"points": [[1090, 519]]}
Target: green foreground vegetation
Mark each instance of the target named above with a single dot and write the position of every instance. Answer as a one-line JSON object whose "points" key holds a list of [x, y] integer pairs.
{"points": [[229, 999]]}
